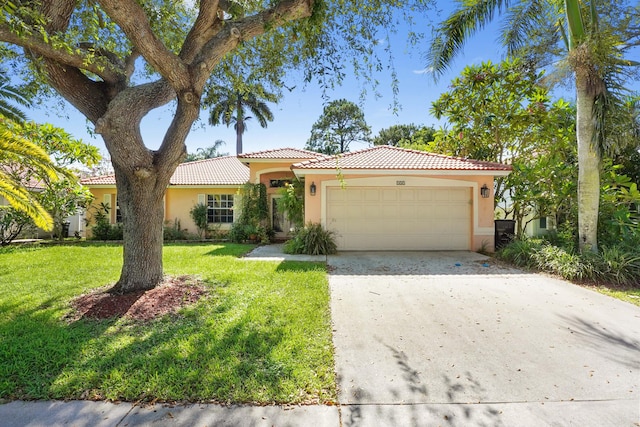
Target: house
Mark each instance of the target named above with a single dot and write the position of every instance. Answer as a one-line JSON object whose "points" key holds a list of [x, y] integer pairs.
{"points": [[379, 198]]}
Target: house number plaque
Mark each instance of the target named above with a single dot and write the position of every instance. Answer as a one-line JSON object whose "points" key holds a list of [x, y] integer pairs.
{"points": [[399, 182]]}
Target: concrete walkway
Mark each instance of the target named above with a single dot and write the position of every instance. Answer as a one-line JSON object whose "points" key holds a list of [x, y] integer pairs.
{"points": [[429, 339]]}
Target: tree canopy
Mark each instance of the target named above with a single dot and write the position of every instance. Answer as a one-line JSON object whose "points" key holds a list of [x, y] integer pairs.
{"points": [[404, 135], [342, 122], [591, 42], [501, 113]]}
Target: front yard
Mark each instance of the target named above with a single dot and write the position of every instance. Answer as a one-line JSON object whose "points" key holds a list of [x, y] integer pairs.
{"points": [[261, 335]]}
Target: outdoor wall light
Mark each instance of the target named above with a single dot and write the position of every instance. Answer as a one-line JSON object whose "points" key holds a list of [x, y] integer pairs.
{"points": [[312, 189], [484, 191]]}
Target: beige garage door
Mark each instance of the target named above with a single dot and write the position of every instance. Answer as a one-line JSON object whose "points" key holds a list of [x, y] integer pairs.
{"points": [[400, 218]]}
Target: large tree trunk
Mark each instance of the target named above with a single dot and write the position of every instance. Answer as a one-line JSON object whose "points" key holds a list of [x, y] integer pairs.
{"points": [[141, 205], [588, 165]]}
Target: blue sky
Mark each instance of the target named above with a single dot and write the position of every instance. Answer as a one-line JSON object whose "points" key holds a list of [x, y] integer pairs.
{"points": [[299, 109]]}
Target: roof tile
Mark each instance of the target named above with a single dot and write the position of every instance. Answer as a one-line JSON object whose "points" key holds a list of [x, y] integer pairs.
{"points": [[391, 158], [226, 170], [283, 153]]}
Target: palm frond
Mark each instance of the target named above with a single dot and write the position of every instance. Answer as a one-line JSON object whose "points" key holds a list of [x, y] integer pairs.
{"points": [[13, 94], [22, 200], [451, 36], [519, 19]]}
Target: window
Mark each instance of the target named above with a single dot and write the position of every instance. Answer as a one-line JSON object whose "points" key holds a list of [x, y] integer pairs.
{"points": [[279, 183], [220, 208], [543, 222], [118, 213]]}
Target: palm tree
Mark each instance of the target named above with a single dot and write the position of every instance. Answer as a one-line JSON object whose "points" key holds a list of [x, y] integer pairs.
{"points": [[208, 152], [224, 102], [593, 54], [14, 153], [10, 93]]}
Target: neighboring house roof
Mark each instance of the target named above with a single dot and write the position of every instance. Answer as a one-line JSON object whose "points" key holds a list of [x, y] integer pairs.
{"points": [[282, 153], [385, 157], [227, 170], [22, 174]]}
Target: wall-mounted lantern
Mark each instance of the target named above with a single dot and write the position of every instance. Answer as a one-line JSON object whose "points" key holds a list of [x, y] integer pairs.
{"points": [[484, 191], [312, 189]]}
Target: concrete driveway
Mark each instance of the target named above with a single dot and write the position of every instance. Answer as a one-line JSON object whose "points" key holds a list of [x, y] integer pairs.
{"points": [[451, 338]]}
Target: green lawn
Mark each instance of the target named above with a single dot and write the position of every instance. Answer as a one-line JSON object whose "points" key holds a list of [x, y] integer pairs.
{"points": [[262, 335], [631, 295]]}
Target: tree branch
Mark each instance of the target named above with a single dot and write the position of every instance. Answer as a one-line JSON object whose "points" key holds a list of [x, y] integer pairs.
{"points": [[244, 29], [133, 20], [208, 24], [36, 45]]}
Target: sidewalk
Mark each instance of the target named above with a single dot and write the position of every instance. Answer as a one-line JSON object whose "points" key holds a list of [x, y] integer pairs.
{"points": [[103, 414], [521, 414]]}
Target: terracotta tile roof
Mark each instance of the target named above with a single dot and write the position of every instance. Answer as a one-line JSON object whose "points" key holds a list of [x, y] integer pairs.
{"points": [[387, 157], [99, 180], [226, 170], [283, 153]]}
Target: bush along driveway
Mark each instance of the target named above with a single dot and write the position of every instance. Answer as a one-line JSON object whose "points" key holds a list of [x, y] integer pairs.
{"points": [[428, 338]]}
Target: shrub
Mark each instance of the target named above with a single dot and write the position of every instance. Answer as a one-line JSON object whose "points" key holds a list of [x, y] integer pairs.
{"points": [[617, 265], [520, 252], [556, 260], [237, 234], [199, 215], [12, 223], [103, 229], [312, 240], [174, 232]]}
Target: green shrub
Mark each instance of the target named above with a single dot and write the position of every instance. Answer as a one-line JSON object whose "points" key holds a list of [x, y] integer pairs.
{"points": [[199, 215], [237, 234], [103, 229], [520, 252], [175, 232], [312, 240], [617, 265], [556, 260]]}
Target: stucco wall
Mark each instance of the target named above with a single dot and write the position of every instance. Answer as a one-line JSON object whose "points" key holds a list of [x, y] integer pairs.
{"points": [[257, 170], [178, 204], [482, 236]]}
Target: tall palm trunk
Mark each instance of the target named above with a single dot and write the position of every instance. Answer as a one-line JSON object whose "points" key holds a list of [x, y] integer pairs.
{"points": [[239, 124], [588, 164]]}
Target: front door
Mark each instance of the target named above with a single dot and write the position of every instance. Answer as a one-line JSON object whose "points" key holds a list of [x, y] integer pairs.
{"points": [[279, 221]]}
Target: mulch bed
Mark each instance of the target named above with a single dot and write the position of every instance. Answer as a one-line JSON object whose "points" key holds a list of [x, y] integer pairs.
{"points": [[167, 298]]}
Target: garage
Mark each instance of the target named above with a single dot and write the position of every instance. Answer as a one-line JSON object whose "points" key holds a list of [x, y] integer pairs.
{"points": [[400, 218], [390, 198]]}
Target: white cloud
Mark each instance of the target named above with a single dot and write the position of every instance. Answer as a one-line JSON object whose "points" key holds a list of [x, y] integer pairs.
{"points": [[427, 70]]}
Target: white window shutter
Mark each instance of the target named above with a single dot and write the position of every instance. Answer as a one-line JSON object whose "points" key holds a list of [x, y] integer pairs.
{"points": [[202, 199], [237, 207]]}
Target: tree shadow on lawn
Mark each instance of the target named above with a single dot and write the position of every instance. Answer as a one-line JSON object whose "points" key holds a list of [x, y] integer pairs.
{"points": [[37, 346], [192, 356], [300, 266], [236, 250]]}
